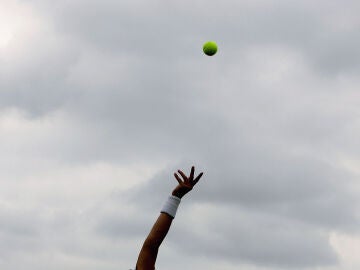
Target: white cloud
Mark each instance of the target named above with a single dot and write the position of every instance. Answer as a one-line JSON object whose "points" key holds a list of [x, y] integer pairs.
{"points": [[348, 248]]}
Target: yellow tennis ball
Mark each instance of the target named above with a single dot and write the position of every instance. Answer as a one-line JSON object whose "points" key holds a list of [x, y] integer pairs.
{"points": [[210, 48]]}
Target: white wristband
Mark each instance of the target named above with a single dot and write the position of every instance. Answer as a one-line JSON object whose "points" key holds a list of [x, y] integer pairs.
{"points": [[171, 205]]}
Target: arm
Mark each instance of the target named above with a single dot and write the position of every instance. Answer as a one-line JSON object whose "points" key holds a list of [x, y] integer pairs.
{"points": [[149, 250]]}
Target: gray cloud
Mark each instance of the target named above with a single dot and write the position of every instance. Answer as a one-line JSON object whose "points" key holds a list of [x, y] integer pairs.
{"points": [[271, 120], [242, 235]]}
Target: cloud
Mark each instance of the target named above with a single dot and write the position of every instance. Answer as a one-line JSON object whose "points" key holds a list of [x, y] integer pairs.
{"points": [[242, 235], [101, 102]]}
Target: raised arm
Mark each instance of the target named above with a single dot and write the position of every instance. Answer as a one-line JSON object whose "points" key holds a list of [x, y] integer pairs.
{"points": [[149, 250]]}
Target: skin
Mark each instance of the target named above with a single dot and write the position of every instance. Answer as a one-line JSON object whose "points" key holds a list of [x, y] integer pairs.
{"points": [[150, 248]]}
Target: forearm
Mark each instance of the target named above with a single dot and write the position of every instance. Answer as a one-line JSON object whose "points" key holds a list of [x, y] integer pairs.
{"points": [[163, 223], [159, 230], [149, 251]]}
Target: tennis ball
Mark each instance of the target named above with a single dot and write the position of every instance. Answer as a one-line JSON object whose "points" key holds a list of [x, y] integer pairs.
{"points": [[210, 48]]}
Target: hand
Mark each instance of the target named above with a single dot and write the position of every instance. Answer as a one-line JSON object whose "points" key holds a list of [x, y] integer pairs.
{"points": [[186, 184]]}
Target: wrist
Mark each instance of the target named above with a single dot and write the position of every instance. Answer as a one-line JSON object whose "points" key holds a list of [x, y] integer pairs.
{"points": [[177, 194], [171, 205]]}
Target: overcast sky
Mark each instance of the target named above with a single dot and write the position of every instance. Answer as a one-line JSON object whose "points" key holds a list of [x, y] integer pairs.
{"points": [[102, 101]]}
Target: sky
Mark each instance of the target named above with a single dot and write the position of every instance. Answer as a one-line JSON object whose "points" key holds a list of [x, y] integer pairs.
{"points": [[102, 101]]}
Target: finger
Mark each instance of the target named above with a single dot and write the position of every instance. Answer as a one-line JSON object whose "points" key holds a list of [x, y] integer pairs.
{"points": [[197, 178], [183, 175], [192, 173], [178, 178]]}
